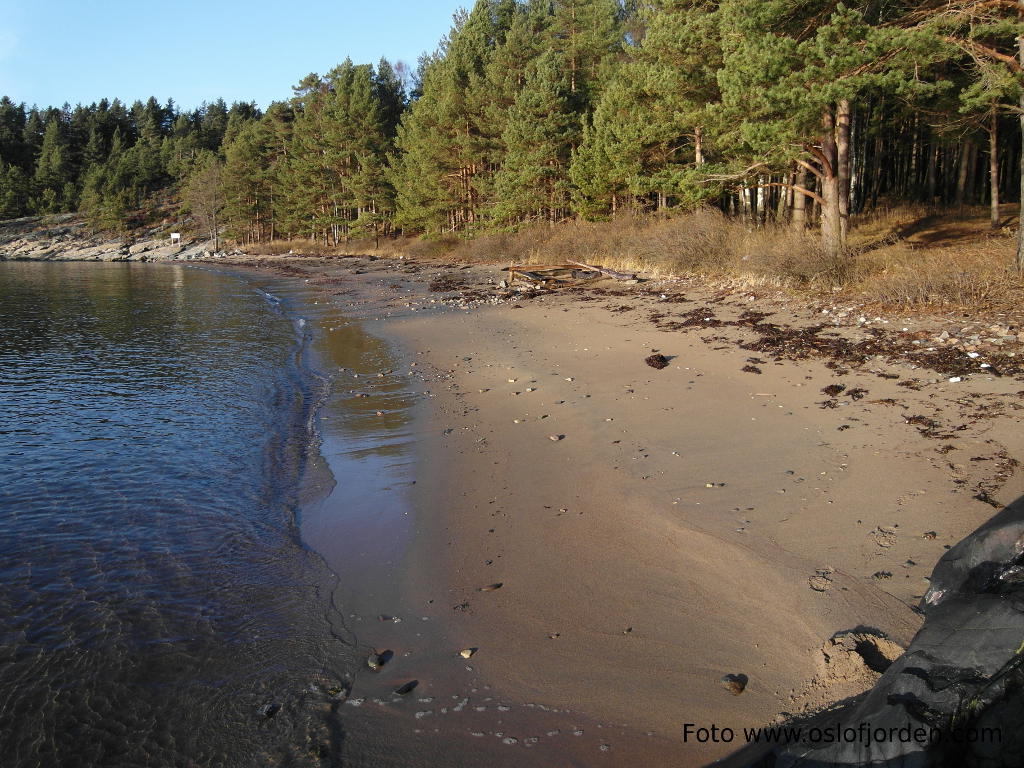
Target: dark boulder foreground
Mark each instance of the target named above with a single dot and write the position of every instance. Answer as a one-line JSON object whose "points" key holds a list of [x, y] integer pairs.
{"points": [[956, 697]]}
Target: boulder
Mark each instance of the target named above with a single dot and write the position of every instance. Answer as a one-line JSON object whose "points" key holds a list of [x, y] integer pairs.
{"points": [[956, 696]]}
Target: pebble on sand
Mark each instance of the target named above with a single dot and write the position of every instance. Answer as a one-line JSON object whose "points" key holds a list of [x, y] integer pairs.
{"points": [[735, 684], [467, 652], [555, 438], [657, 361]]}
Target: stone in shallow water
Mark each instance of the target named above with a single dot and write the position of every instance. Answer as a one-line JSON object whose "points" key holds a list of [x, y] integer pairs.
{"points": [[377, 660], [407, 687], [268, 710]]}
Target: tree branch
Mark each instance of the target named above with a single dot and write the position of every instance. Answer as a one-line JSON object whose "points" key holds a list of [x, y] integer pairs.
{"points": [[736, 176], [795, 187], [826, 166], [977, 48], [811, 168]]}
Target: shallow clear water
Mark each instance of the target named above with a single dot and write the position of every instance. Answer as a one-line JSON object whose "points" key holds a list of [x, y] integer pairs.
{"points": [[156, 602]]}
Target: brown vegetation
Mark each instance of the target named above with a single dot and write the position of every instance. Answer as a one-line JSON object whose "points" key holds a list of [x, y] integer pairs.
{"points": [[909, 257]]}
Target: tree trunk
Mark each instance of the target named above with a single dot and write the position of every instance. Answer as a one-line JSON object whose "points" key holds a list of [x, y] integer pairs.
{"points": [[799, 218], [1020, 221], [843, 164], [962, 172], [931, 179], [698, 146], [973, 183], [832, 233], [993, 170]]}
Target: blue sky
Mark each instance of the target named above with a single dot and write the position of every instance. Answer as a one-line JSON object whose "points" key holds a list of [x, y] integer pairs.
{"points": [[52, 51]]}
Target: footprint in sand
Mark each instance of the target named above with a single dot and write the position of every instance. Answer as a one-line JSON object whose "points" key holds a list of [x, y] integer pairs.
{"points": [[822, 580], [884, 537]]}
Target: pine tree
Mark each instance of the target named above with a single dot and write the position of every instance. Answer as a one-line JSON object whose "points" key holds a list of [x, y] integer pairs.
{"points": [[248, 184], [12, 134], [14, 192], [447, 144], [32, 138], [213, 125], [588, 35], [390, 94], [789, 89], [608, 160], [53, 169], [533, 182]]}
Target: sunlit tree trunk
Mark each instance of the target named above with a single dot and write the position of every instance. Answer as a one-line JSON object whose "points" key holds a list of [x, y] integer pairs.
{"points": [[832, 229], [843, 166], [993, 169], [1020, 222], [799, 217]]}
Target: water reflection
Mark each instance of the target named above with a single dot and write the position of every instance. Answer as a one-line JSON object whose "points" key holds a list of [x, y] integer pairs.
{"points": [[155, 602], [362, 527]]}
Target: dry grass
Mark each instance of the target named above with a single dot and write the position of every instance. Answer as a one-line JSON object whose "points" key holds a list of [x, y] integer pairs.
{"points": [[924, 257], [905, 257], [703, 242], [971, 276]]}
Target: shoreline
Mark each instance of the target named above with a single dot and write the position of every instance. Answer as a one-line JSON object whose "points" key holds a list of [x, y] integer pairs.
{"points": [[867, 470], [363, 528], [689, 523]]}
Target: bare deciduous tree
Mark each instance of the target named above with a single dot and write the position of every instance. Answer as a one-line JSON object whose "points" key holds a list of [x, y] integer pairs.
{"points": [[204, 195]]}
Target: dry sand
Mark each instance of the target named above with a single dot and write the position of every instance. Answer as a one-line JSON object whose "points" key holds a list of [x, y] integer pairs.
{"points": [[686, 523]]}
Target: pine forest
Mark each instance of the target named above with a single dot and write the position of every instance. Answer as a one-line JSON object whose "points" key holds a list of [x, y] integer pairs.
{"points": [[539, 112]]}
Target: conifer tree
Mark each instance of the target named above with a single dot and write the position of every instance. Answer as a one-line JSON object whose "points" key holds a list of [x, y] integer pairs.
{"points": [[53, 169], [533, 182], [12, 129], [248, 183], [14, 191], [788, 89], [588, 34], [447, 151]]}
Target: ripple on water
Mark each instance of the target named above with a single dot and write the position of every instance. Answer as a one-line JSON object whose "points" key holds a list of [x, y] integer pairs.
{"points": [[155, 604]]}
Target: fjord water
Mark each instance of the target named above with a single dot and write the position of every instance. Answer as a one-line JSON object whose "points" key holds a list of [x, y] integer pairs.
{"points": [[157, 605]]}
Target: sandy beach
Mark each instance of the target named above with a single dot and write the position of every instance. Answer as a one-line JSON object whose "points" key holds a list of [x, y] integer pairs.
{"points": [[654, 531]]}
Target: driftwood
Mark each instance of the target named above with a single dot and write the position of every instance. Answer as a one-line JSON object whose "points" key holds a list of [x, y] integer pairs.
{"points": [[551, 275], [605, 271], [561, 275]]}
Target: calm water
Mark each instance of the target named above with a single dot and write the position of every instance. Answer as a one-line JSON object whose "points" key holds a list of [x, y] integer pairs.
{"points": [[157, 606]]}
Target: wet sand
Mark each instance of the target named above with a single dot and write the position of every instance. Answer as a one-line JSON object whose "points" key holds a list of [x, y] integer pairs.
{"points": [[727, 514]]}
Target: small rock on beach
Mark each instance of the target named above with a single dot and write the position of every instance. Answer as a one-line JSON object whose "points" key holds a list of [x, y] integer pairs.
{"points": [[657, 361], [735, 684]]}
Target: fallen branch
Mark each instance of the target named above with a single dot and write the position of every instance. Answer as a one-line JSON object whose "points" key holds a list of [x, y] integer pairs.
{"points": [[605, 271], [552, 276]]}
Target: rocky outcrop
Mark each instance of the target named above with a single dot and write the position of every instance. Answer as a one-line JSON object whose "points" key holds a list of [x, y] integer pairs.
{"points": [[65, 237]]}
